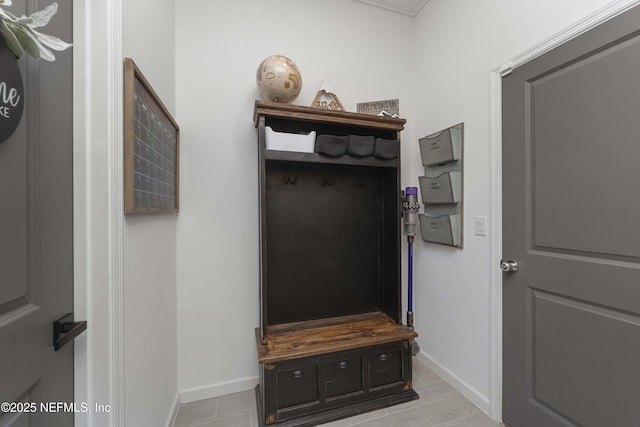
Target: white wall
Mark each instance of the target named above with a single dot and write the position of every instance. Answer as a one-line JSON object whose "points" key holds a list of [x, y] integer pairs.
{"points": [[364, 53], [149, 242], [457, 43]]}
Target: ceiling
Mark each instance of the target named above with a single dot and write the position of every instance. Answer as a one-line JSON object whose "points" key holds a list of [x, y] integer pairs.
{"points": [[404, 7]]}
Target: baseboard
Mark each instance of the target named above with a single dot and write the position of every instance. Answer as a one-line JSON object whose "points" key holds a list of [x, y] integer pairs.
{"points": [[174, 411], [218, 389], [477, 398]]}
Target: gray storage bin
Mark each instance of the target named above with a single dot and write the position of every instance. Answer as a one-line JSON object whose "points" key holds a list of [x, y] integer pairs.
{"points": [[360, 146], [331, 145], [443, 229], [386, 148], [441, 147], [444, 188]]}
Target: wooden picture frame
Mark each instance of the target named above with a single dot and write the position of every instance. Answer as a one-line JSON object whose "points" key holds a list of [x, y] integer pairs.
{"points": [[151, 148]]}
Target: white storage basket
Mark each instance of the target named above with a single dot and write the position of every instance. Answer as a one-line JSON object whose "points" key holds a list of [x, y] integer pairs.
{"points": [[283, 141]]}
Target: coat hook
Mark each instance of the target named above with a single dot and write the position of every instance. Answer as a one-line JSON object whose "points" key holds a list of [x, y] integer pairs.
{"points": [[288, 179], [324, 181], [359, 183]]}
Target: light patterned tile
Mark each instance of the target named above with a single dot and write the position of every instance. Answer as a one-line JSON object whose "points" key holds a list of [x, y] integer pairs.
{"points": [[237, 419], [424, 376], [434, 390], [236, 402], [410, 418], [477, 419], [417, 365], [255, 422], [440, 405], [454, 407], [190, 414], [407, 405], [357, 419]]}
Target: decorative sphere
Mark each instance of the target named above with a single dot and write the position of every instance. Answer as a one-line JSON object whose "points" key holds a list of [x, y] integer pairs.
{"points": [[278, 79]]}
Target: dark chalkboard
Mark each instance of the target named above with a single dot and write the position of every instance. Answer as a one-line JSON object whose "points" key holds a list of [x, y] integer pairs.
{"points": [[151, 148]]}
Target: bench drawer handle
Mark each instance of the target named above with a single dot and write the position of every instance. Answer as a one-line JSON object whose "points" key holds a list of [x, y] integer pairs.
{"points": [[383, 357], [297, 374], [343, 365]]}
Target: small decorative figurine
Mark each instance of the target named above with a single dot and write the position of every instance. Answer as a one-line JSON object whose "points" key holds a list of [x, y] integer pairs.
{"points": [[326, 99], [278, 79]]}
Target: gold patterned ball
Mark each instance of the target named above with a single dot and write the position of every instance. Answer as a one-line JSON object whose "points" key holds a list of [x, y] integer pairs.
{"points": [[278, 79]]}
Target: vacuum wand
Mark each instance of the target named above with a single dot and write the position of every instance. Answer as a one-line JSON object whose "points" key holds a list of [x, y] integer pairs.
{"points": [[410, 210], [410, 286]]}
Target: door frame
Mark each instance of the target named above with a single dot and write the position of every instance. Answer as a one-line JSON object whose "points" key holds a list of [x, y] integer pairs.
{"points": [[98, 220], [495, 134]]}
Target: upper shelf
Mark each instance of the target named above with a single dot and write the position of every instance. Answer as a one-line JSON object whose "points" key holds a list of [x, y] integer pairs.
{"points": [[310, 114]]}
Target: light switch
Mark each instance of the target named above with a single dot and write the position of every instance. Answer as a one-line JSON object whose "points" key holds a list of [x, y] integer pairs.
{"points": [[481, 226]]}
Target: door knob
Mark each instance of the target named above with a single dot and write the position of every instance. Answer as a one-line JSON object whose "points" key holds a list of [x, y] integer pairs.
{"points": [[509, 266]]}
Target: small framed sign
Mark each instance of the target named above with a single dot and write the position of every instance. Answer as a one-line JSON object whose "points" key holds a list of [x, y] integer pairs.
{"points": [[151, 148], [11, 92], [385, 108]]}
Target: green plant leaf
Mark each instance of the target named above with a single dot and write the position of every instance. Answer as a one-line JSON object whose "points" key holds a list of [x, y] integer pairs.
{"points": [[42, 18], [21, 37], [11, 40], [52, 41], [8, 16], [44, 52], [23, 21], [26, 40]]}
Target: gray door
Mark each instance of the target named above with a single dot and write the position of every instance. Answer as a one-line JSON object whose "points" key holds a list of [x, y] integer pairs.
{"points": [[36, 235], [571, 217]]}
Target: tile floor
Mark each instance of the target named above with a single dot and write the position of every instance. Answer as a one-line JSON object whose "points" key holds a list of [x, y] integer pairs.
{"points": [[439, 405]]}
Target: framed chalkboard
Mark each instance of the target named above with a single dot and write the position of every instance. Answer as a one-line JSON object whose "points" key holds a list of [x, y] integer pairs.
{"points": [[151, 148]]}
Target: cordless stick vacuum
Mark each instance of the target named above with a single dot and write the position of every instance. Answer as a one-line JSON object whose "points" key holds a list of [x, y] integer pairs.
{"points": [[410, 210]]}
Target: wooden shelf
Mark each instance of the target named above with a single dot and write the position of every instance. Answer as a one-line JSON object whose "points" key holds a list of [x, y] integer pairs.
{"points": [[310, 338], [299, 112]]}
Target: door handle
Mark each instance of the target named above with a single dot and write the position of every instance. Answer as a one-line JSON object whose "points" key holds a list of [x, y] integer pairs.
{"points": [[509, 266], [65, 330]]}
